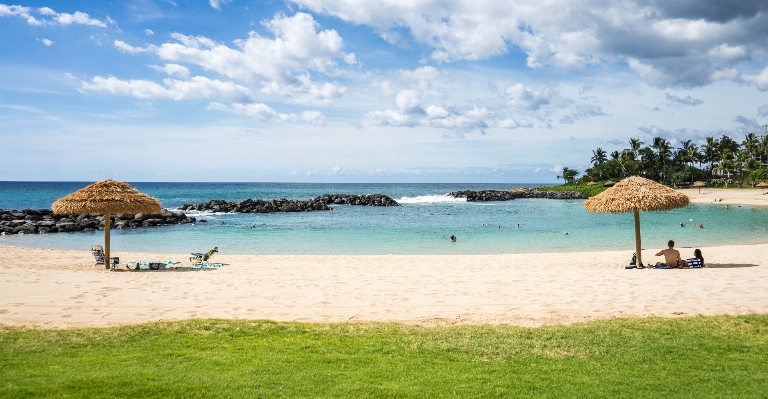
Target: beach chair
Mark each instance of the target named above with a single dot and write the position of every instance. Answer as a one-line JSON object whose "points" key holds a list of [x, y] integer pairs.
{"points": [[98, 255], [197, 258]]}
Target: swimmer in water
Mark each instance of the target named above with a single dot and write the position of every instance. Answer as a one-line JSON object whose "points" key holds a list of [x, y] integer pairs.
{"points": [[453, 238], [566, 233]]}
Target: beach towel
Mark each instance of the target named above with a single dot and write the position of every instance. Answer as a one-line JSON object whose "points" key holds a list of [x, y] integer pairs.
{"points": [[694, 263]]}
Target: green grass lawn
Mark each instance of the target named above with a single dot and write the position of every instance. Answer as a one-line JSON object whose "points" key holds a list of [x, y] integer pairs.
{"points": [[698, 357], [587, 191]]}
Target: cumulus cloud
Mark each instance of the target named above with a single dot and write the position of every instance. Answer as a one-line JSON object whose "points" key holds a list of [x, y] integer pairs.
{"points": [[760, 79], [126, 48], [528, 98], [172, 69], [281, 66], [218, 3], [297, 46], [196, 88], [148, 32], [46, 42], [682, 43], [763, 110], [53, 17], [264, 113], [682, 102]]}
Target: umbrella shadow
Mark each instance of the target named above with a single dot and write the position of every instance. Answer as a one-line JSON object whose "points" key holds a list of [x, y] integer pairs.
{"points": [[162, 270], [729, 265]]}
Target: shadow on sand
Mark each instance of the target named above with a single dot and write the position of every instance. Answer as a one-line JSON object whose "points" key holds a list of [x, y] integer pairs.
{"points": [[729, 265]]}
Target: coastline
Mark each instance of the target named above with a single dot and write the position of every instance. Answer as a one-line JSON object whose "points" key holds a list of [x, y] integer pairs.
{"points": [[59, 288], [729, 196]]}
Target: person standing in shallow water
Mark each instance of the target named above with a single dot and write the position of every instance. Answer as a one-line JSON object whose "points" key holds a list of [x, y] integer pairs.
{"points": [[453, 238]]}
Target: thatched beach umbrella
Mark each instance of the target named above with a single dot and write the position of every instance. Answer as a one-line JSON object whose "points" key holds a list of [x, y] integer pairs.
{"points": [[609, 183], [762, 185], [591, 183], [635, 194], [106, 197], [699, 185]]}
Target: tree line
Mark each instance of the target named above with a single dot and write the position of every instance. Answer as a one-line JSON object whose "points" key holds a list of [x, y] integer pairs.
{"points": [[719, 162]]}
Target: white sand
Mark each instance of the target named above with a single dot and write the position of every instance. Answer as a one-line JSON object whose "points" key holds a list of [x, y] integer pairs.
{"points": [[59, 288], [730, 196]]}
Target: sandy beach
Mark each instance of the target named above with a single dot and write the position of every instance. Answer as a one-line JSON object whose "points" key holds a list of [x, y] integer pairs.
{"points": [[60, 289], [729, 196]]}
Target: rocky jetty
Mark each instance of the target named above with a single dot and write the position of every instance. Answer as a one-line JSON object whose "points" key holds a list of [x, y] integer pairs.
{"points": [[39, 221], [257, 206], [357, 199], [507, 195], [319, 203]]}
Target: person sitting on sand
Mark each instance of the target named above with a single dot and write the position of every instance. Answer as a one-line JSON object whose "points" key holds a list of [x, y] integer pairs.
{"points": [[697, 260], [453, 238], [671, 256]]}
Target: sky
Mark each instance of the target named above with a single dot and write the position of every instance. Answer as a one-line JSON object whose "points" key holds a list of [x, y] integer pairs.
{"points": [[367, 90]]}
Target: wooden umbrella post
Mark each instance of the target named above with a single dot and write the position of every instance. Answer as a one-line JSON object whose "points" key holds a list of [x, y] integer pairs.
{"points": [[637, 239], [106, 241]]}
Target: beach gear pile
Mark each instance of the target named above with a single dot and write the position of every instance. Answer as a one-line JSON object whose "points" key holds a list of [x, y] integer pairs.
{"points": [[168, 265]]}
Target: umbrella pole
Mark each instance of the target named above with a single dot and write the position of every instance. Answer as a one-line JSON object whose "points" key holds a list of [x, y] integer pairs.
{"points": [[106, 241], [637, 238]]}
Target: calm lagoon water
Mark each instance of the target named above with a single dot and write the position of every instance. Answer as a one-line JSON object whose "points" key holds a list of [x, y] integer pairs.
{"points": [[421, 225]]}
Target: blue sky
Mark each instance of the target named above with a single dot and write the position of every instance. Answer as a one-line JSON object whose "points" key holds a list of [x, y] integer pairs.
{"points": [[366, 90]]}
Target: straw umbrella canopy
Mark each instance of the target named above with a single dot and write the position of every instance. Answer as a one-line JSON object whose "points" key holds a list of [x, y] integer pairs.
{"points": [[591, 183], [699, 185], [106, 197], [635, 194], [609, 184], [762, 185]]}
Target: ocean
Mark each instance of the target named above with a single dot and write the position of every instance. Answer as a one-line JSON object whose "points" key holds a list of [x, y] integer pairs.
{"points": [[422, 225]]}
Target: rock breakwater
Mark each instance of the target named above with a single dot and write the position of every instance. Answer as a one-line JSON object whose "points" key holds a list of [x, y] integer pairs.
{"points": [[319, 203], [39, 221], [508, 195]]}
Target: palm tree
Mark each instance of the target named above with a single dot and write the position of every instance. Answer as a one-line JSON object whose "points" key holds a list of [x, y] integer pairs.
{"points": [[740, 158], [751, 144], [750, 166], [598, 156], [568, 174], [691, 154], [710, 153], [662, 147], [725, 164], [634, 146]]}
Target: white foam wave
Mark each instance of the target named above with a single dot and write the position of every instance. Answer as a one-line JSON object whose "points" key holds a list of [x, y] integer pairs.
{"points": [[425, 199]]}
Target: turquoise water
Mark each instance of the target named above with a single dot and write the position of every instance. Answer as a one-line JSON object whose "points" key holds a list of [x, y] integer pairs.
{"points": [[421, 225]]}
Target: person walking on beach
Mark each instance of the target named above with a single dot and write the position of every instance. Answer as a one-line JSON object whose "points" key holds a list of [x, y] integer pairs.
{"points": [[671, 255]]}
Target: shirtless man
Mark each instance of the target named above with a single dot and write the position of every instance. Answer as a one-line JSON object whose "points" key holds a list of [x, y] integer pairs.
{"points": [[671, 255]]}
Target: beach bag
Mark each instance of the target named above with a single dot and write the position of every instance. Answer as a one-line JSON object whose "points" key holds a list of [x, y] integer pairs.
{"points": [[634, 259]]}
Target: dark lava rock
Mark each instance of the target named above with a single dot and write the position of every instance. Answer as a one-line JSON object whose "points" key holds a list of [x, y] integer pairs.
{"points": [[507, 195]]}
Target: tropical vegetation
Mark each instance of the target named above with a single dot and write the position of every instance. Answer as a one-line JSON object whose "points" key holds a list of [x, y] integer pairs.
{"points": [[717, 161]]}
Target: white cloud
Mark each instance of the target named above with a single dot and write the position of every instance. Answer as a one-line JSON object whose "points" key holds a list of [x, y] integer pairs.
{"points": [[172, 69], [60, 18], [19, 11], [196, 88], [523, 97], [305, 92], [667, 43], [763, 110], [46, 42], [264, 113], [148, 32], [682, 102], [218, 3], [126, 48], [759, 79], [297, 47]]}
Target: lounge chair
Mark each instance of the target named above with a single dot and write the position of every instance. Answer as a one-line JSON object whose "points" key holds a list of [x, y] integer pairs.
{"points": [[98, 255], [197, 258]]}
